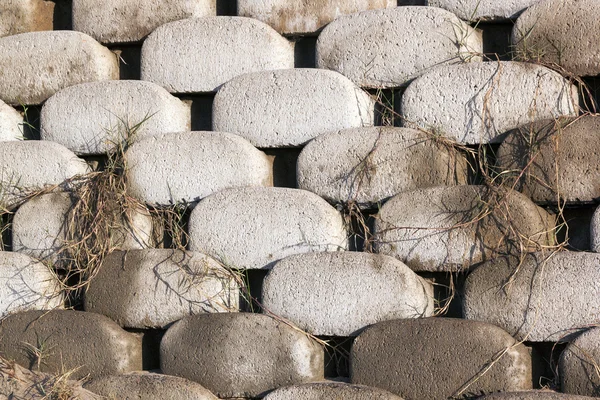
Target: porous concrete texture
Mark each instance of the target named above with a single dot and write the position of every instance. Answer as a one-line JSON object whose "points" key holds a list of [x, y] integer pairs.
{"points": [[306, 17], [97, 117], [240, 354], [367, 166], [120, 21], [454, 357], [11, 123], [198, 55], [539, 297], [250, 228], [341, 293], [560, 32], [288, 108], [188, 166], [155, 287], [36, 65], [330, 391], [478, 10], [21, 16], [533, 395], [65, 340], [578, 365], [388, 48], [452, 228], [479, 102], [595, 231]]}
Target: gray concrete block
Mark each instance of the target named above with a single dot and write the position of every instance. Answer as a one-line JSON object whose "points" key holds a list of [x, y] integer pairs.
{"points": [[36, 65], [66, 340], [92, 118], [21, 16], [288, 108], [330, 391], [388, 48], [370, 165], [595, 231], [542, 297], [474, 10], [11, 123], [578, 364], [341, 293], [479, 102], [120, 21], [533, 395], [438, 358], [198, 55], [250, 228], [452, 228], [239, 354], [188, 166]]}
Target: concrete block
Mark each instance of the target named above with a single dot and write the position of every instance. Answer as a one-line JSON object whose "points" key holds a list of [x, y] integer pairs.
{"points": [[486, 10], [92, 118], [288, 108], [330, 391], [439, 358], [533, 395], [479, 102], [542, 297], [198, 55], [388, 48], [578, 364], [187, 166], [36, 65], [21, 16], [452, 228], [595, 231], [240, 354], [250, 228], [341, 293], [369, 165], [11, 123], [120, 21], [66, 340]]}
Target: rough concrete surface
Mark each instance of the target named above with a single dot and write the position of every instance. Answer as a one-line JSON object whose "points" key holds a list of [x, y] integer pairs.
{"points": [[472, 10], [240, 354], [95, 117], [341, 293], [388, 48], [59, 341], [188, 166], [370, 165], [198, 55], [436, 358], [595, 231], [155, 287], [578, 365], [21, 16], [479, 102], [11, 123], [452, 228], [330, 391], [288, 108], [119, 21], [36, 65], [533, 395], [250, 228]]}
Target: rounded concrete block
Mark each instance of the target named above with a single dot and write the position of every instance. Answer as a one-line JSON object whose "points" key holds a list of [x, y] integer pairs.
{"points": [[188, 166], [120, 21], [240, 354], [11, 123], [479, 102], [330, 391], [21, 16], [452, 228], [36, 65], [578, 365], [341, 293], [439, 358], [474, 10], [288, 108], [533, 395], [388, 48], [369, 165], [93, 118], [66, 340], [540, 297], [198, 55], [250, 228]]}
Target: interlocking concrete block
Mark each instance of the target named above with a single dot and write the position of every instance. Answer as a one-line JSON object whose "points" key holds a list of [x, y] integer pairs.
{"points": [[330, 391], [533, 395], [251, 228], [119, 21], [36, 65], [11, 123], [290, 107], [66, 340], [559, 31], [479, 102], [95, 117], [200, 54], [167, 169], [439, 358], [369, 165], [325, 293], [21, 16], [542, 297], [388, 48], [240, 354], [474, 10], [452, 228], [578, 365]]}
